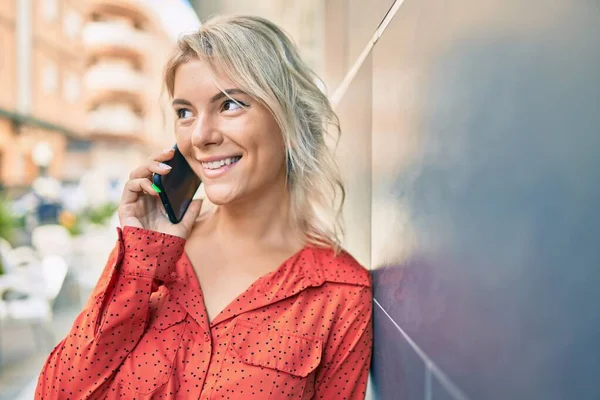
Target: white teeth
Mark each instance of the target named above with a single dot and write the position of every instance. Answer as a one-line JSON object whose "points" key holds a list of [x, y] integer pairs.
{"points": [[220, 163]]}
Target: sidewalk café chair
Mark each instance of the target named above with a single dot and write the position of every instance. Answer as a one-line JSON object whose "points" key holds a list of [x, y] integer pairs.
{"points": [[4, 245], [52, 239], [32, 306], [22, 256], [89, 257]]}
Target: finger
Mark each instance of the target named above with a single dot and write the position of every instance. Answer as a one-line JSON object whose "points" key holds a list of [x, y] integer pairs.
{"points": [[146, 170], [153, 164], [164, 155], [148, 188], [134, 188], [192, 213]]}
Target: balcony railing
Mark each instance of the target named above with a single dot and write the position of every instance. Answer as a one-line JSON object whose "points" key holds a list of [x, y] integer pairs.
{"points": [[105, 36], [115, 76], [133, 9], [115, 119]]}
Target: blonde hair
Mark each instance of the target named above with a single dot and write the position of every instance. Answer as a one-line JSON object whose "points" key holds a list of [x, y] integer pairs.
{"points": [[259, 57]]}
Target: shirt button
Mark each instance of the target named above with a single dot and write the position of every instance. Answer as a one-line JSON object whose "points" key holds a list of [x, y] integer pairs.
{"points": [[206, 337]]}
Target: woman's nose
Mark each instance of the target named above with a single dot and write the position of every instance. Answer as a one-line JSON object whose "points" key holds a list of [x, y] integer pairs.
{"points": [[205, 132]]}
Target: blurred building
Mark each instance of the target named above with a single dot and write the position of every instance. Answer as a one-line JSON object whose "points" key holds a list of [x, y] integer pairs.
{"points": [[126, 49], [41, 78], [83, 76]]}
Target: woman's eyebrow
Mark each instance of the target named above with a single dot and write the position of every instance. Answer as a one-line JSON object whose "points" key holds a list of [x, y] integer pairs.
{"points": [[216, 97], [225, 93], [181, 102]]}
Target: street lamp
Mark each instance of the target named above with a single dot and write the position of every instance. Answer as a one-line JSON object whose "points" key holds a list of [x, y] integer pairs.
{"points": [[46, 188], [42, 155]]}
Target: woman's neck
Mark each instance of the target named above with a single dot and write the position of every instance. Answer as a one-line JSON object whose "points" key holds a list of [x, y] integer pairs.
{"points": [[262, 219]]}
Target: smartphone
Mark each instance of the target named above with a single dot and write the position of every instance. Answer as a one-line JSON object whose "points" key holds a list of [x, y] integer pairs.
{"points": [[177, 188]]}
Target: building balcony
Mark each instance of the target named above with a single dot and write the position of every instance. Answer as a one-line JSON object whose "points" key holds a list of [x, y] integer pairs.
{"points": [[115, 121], [111, 81], [130, 9], [115, 38]]}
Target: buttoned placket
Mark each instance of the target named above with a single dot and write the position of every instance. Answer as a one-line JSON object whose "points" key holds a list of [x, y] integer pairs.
{"points": [[201, 355], [188, 293]]}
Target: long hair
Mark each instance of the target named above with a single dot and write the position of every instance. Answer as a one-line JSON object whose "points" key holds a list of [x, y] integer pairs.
{"points": [[262, 60]]}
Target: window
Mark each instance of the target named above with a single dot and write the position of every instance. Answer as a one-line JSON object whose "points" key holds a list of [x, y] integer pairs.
{"points": [[50, 9], [72, 24], [50, 77], [71, 87], [19, 166]]}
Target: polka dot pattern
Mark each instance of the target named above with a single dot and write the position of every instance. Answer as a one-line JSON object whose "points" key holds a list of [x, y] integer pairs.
{"points": [[302, 331]]}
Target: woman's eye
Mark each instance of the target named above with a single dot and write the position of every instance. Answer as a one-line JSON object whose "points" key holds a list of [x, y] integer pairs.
{"points": [[230, 105], [184, 113]]}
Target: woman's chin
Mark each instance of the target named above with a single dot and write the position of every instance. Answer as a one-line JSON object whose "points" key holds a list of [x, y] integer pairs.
{"points": [[219, 196]]}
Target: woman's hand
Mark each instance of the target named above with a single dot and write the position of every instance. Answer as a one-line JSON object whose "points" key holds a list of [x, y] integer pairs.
{"points": [[141, 206]]}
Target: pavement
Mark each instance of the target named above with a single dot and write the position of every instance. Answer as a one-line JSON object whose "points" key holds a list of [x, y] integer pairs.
{"points": [[23, 356]]}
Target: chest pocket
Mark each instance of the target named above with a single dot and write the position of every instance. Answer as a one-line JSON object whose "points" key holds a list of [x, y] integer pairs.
{"points": [[269, 363], [150, 365]]}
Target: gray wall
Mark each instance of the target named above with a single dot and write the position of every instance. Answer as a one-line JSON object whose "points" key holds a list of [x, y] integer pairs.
{"points": [[471, 148]]}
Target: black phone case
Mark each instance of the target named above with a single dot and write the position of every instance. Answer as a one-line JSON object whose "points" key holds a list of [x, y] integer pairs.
{"points": [[156, 179]]}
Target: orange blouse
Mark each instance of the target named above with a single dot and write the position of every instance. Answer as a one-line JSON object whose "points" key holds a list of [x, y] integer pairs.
{"points": [[303, 331]]}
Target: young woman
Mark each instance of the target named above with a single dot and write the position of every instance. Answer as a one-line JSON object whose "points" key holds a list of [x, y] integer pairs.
{"points": [[253, 299]]}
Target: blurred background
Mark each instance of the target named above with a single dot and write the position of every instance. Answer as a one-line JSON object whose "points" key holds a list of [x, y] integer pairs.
{"points": [[80, 106], [470, 150]]}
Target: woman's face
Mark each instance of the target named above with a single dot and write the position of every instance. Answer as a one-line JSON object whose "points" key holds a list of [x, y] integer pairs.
{"points": [[237, 151]]}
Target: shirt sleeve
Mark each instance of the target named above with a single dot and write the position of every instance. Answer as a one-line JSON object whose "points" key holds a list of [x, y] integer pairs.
{"points": [[113, 319], [346, 363]]}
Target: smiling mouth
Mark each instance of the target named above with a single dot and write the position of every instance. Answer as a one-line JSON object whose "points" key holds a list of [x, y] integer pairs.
{"points": [[213, 165]]}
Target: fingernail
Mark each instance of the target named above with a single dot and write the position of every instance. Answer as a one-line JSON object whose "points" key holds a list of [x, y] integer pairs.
{"points": [[164, 166], [170, 149]]}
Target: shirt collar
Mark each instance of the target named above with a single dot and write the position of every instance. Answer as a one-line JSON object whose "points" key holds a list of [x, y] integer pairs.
{"points": [[309, 267]]}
